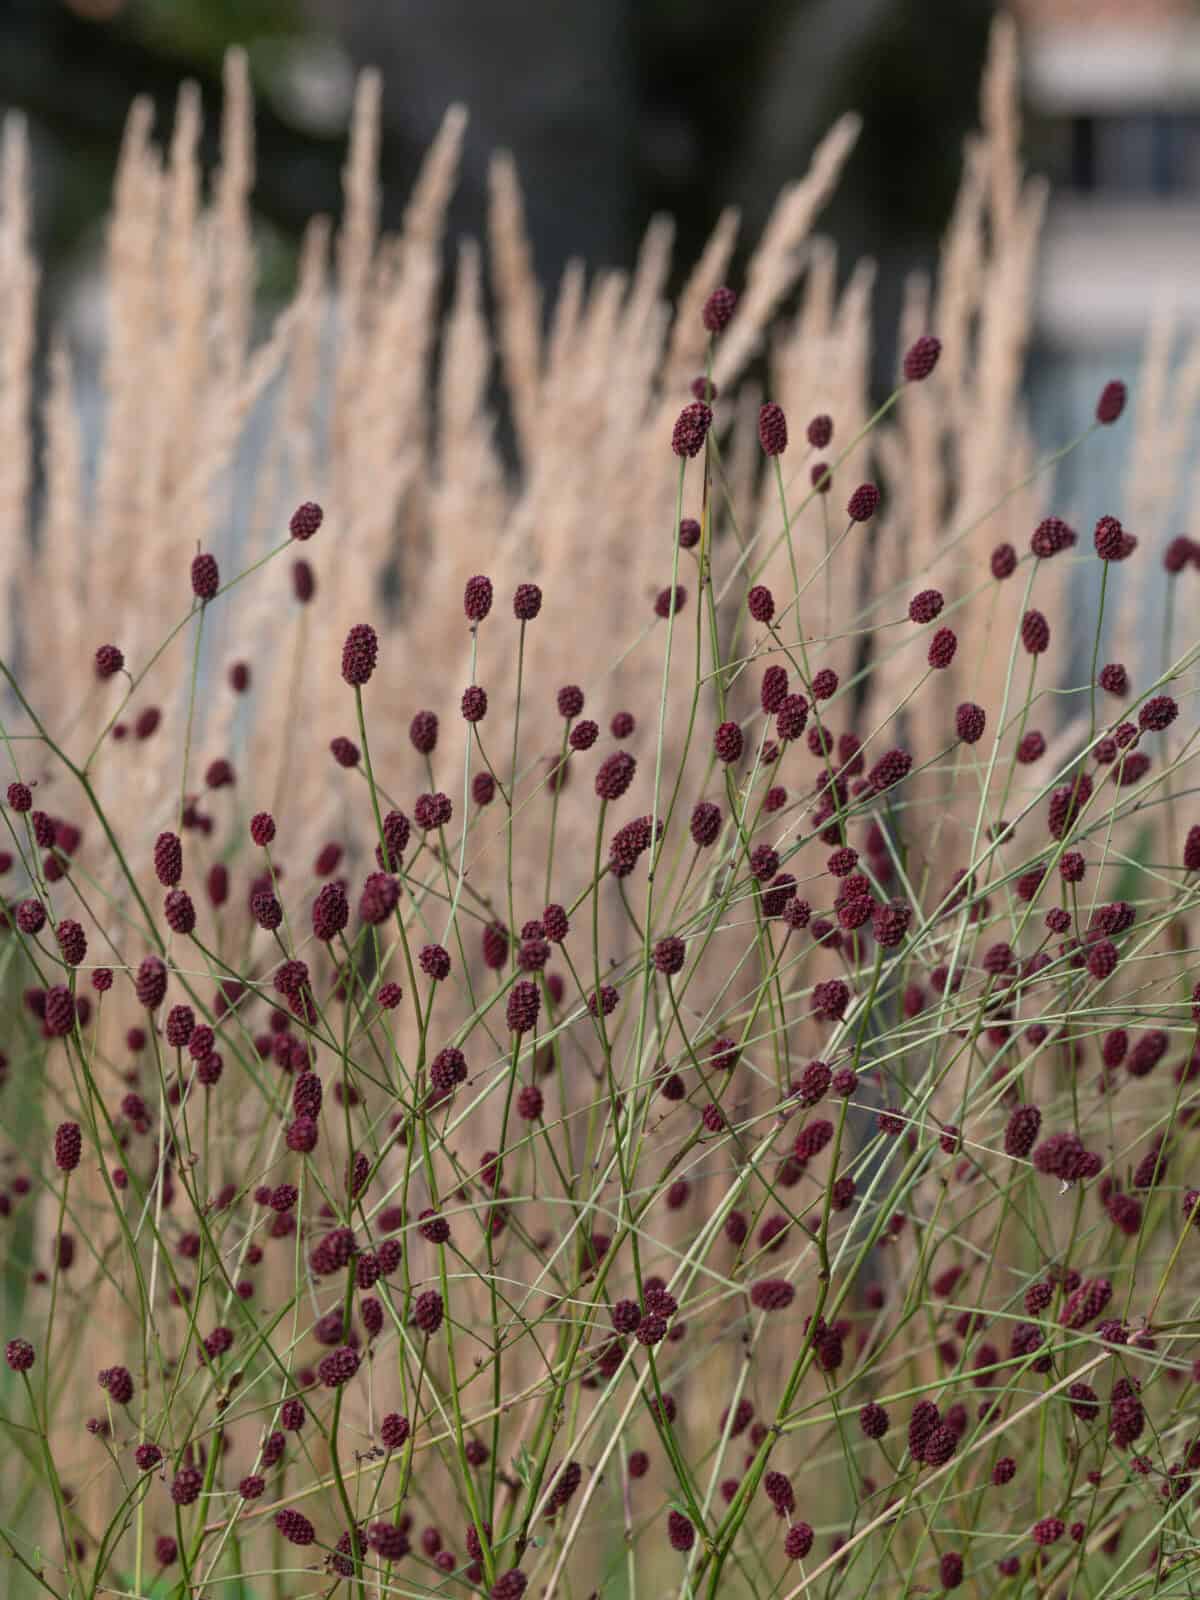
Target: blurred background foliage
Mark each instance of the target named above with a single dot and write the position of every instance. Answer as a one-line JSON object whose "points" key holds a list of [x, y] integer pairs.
{"points": [[615, 111]]}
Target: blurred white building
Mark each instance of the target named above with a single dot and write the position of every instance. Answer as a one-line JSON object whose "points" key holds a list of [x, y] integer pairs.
{"points": [[1113, 104]]}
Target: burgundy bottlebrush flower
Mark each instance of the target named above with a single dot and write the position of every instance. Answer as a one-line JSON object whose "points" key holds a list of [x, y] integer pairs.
{"points": [[829, 1000], [889, 770], [219, 774], [447, 1069], [689, 533], [510, 1585], [168, 859], [495, 945], [338, 1367], [394, 1430], [555, 925], [360, 654], [1035, 632], [72, 941], [1111, 541], [926, 605], [819, 431], [791, 718], [423, 732], [622, 724], [727, 742], [923, 1423], [150, 985], [1102, 959], [109, 661], [969, 722], [1157, 713], [615, 774], [820, 477], [304, 582], [186, 1487], [1003, 561], [950, 1570], [1179, 553], [527, 602], [524, 1003], [1066, 803], [331, 910], [1072, 866], [58, 1015], [477, 598], [1050, 536], [921, 357], [31, 917], [1085, 1304], [427, 1312], [432, 811], [718, 309], [1111, 402], [305, 520], [1020, 1134], [942, 648], [680, 1531], [262, 828], [772, 429], [704, 389], [474, 703], [379, 899], [669, 955], [20, 797], [206, 577], [434, 962], [604, 1001], [774, 690], [706, 823], [798, 1541], [1048, 1531], [19, 1354], [345, 752], [584, 734], [873, 1420], [863, 503], [1004, 1471], [691, 429], [266, 909], [68, 1146], [1114, 679], [760, 603], [102, 979], [294, 1526], [530, 1103], [777, 1487]]}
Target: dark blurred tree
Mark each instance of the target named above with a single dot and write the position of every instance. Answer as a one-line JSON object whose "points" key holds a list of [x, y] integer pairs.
{"points": [[614, 110]]}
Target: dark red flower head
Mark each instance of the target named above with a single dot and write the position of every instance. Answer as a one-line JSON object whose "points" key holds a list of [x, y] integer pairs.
{"points": [[615, 774], [863, 503], [1035, 632], [772, 429], [969, 722], [691, 429], [718, 309], [359, 654], [1111, 402], [206, 577], [109, 661], [305, 521], [477, 598], [527, 602], [921, 357]]}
